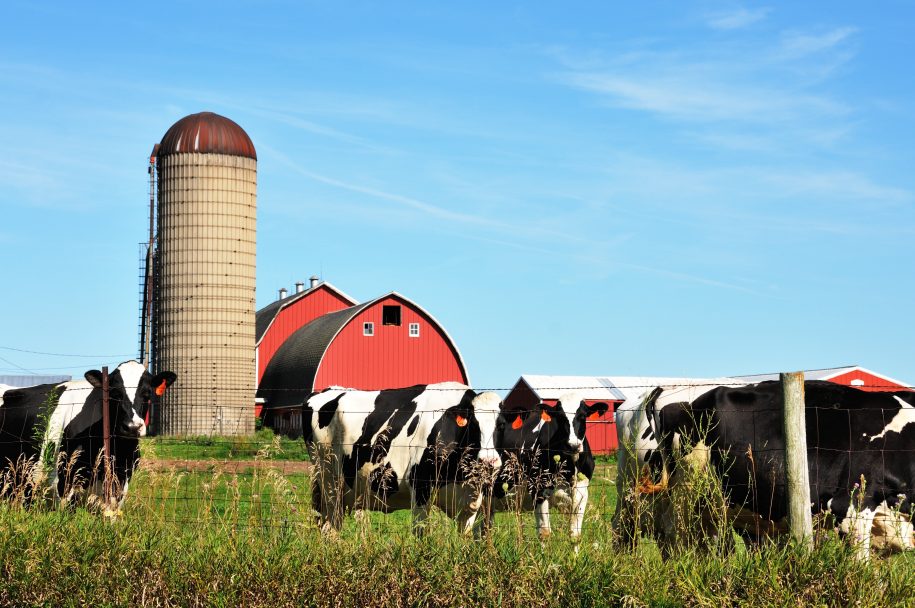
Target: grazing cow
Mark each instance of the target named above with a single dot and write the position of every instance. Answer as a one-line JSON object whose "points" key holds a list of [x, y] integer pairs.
{"points": [[546, 460], [401, 448], [52, 433], [859, 455], [637, 451]]}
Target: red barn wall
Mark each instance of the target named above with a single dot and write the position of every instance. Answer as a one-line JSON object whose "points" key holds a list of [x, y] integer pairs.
{"points": [[292, 317], [390, 358], [871, 382]]}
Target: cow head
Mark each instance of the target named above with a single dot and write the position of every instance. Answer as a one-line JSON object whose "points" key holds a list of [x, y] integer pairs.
{"points": [[472, 425], [131, 392], [486, 412], [562, 426]]}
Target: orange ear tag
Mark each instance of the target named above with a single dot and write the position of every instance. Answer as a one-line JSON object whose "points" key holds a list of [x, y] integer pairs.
{"points": [[461, 421], [545, 417], [594, 416], [160, 390], [517, 423]]}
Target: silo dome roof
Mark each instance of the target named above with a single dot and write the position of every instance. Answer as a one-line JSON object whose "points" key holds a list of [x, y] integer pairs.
{"points": [[206, 133]]}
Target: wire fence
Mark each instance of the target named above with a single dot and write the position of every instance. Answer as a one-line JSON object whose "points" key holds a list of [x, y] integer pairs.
{"points": [[377, 458]]}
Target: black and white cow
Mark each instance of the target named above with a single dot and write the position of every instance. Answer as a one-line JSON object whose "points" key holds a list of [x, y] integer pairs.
{"points": [[408, 448], [860, 447], [52, 433], [637, 448], [546, 460]]}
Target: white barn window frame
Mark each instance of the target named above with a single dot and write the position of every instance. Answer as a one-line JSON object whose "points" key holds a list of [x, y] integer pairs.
{"points": [[368, 328], [414, 330]]}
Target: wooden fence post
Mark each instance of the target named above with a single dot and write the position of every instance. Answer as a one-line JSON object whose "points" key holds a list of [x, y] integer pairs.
{"points": [[796, 471], [106, 437]]}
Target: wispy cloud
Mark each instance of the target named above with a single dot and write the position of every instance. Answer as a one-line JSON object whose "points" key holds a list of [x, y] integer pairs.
{"points": [[795, 45], [690, 96], [516, 228], [690, 278], [736, 19]]}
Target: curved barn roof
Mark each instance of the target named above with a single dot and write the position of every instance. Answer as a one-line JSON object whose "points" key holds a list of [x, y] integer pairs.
{"points": [[289, 377], [206, 133]]}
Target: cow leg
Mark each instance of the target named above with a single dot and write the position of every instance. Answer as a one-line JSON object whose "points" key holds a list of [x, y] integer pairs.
{"points": [[861, 524], [579, 503], [624, 523], [542, 517], [470, 519], [419, 506]]}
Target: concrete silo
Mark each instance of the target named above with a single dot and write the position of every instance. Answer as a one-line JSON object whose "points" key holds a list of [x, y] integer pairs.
{"points": [[203, 310]]}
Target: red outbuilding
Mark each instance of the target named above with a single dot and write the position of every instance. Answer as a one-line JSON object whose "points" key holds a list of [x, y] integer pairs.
{"points": [[320, 338]]}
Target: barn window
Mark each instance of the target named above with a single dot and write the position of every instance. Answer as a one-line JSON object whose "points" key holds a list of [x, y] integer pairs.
{"points": [[390, 315], [368, 328], [857, 382], [414, 330]]}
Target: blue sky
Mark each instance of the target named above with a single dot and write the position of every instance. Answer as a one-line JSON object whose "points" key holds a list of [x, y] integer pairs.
{"points": [[592, 188]]}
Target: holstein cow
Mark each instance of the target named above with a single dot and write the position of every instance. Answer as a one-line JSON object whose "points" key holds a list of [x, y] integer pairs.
{"points": [[52, 433], [860, 463], [546, 460], [637, 451], [401, 448]]}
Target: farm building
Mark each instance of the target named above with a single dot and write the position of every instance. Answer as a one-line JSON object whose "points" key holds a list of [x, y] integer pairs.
{"points": [[320, 337], [22, 380], [531, 389], [854, 375]]}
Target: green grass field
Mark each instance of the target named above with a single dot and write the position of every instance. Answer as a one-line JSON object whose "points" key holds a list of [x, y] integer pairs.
{"points": [[196, 535]]}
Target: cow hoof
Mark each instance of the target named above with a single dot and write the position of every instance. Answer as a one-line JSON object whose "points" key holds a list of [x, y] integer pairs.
{"points": [[544, 534]]}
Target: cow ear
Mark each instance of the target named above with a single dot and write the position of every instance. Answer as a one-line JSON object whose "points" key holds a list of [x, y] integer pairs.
{"points": [[167, 377], [517, 424], [94, 377], [549, 404], [545, 417], [597, 410]]}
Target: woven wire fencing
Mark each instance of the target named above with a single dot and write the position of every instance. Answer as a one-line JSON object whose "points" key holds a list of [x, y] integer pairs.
{"points": [[274, 477]]}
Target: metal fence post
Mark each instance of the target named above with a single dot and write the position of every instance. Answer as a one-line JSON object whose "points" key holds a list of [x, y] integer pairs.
{"points": [[796, 471]]}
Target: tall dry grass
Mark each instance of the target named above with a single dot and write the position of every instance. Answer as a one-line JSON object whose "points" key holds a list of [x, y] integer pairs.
{"points": [[205, 538]]}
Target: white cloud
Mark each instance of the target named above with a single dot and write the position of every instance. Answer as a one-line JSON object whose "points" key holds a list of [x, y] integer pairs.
{"points": [[795, 45], [737, 19], [694, 97]]}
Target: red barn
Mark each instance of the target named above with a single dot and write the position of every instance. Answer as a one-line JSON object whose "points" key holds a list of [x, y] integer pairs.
{"points": [[320, 338]]}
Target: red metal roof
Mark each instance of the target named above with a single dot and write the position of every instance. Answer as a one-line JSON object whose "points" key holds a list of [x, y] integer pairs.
{"points": [[206, 133]]}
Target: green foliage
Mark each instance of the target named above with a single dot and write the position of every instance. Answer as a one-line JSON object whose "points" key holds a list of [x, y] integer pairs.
{"points": [[224, 448], [39, 432], [208, 537]]}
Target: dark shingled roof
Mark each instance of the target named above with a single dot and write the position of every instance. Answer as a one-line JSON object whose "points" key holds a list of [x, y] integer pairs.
{"points": [[290, 375], [265, 316]]}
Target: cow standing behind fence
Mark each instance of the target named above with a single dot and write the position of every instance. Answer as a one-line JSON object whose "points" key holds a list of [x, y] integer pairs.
{"points": [[547, 460], [394, 449], [51, 435], [860, 446]]}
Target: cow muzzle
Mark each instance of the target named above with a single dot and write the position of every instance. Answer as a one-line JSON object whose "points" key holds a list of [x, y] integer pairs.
{"points": [[490, 457], [137, 426]]}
